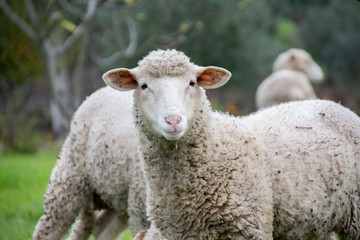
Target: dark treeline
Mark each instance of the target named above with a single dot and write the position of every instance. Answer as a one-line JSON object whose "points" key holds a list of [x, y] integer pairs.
{"points": [[53, 53]]}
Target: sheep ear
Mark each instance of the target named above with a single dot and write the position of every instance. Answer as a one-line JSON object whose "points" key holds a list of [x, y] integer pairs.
{"points": [[212, 77], [120, 79]]}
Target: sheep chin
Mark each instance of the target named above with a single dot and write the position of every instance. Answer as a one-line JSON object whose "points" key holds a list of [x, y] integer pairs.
{"points": [[172, 136]]}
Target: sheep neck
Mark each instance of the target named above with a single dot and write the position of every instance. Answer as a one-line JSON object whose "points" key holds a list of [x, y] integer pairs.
{"points": [[162, 154], [176, 170]]}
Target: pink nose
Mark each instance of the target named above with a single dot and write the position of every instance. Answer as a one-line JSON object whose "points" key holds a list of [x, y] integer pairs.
{"points": [[173, 120]]}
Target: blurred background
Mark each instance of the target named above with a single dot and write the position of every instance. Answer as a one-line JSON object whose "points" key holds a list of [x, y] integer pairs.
{"points": [[54, 52]]}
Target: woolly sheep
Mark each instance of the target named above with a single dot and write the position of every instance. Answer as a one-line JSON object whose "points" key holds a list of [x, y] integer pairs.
{"points": [[287, 172], [290, 79], [98, 167]]}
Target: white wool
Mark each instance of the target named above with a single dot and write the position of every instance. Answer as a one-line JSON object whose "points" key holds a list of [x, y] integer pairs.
{"points": [[98, 167], [299, 60], [169, 62], [288, 172], [284, 86], [293, 72]]}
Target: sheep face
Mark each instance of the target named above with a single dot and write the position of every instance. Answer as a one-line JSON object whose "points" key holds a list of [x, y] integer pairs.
{"points": [[168, 102], [299, 60]]}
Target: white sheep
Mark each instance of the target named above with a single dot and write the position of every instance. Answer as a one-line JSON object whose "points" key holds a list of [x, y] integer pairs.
{"points": [[287, 172], [290, 81], [98, 168]]}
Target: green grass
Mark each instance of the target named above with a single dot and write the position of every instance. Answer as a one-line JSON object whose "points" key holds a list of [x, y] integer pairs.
{"points": [[23, 180]]}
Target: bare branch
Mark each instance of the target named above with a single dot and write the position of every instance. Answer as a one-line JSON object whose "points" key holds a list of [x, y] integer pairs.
{"points": [[32, 12], [70, 8], [133, 34], [166, 12], [116, 26], [131, 48], [69, 42], [111, 59], [18, 21], [53, 19], [78, 73]]}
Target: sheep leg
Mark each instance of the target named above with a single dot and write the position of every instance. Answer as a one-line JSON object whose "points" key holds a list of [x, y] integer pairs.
{"points": [[58, 217], [84, 225], [136, 206], [66, 195], [109, 224]]}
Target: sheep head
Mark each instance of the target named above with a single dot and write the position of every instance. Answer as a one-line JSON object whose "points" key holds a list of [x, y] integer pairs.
{"points": [[299, 60], [168, 89]]}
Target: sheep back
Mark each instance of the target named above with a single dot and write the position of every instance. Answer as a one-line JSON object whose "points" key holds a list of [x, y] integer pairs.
{"points": [[313, 155], [284, 86]]}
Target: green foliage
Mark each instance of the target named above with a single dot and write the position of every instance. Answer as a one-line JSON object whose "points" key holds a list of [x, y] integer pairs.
{"points": [[331, 32], [20, 60], [244, 36], [237, 36], [286, 31], [23, 181], [21, 118]]}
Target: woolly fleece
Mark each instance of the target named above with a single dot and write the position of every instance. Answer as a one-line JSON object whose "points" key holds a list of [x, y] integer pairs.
{"points": [[98, 168], [287, 172], [290, 81]]}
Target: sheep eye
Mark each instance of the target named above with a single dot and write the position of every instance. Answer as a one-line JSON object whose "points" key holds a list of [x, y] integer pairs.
{"points": [[143, 86], [192, 83]]}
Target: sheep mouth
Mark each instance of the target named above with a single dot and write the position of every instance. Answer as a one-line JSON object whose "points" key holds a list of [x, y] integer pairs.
{"points": [[174, 132], [173, 135]]}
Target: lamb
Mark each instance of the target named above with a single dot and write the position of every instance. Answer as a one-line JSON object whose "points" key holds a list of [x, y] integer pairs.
{"points": [[98, 168], [286, 172], [290, 79]]}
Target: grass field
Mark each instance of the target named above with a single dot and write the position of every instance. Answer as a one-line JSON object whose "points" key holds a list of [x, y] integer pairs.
{"points": [[23, 180]]}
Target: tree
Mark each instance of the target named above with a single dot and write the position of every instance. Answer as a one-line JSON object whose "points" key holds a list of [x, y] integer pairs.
{"points": [[54, 45], [60, 31]]}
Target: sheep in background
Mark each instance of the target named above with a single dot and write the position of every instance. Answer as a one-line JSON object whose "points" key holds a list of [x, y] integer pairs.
{"points": [[98, 168], [287, 172], [290, 81]]}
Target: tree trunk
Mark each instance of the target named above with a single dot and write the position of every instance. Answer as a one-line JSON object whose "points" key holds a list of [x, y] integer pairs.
{"points": [[60, 102]]}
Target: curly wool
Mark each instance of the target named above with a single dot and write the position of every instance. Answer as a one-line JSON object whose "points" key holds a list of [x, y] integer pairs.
{"points": [[262, 177], [287, 172], [190, 179], [98, 168], [165, 63]]}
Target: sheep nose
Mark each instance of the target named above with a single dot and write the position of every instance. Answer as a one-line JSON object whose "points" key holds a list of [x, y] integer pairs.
{"points": [[173, 120]]}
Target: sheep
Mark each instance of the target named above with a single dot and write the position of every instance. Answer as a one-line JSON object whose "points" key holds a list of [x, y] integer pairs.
{"points": [[286, 172], [290, 79], [98, 168]]}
